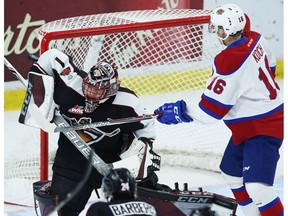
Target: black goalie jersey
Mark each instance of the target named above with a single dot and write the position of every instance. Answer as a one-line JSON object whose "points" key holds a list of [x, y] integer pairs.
{"points": [[107, 142]]}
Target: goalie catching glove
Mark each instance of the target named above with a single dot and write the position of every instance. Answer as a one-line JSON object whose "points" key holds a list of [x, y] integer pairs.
{"points": [[173, 113]]}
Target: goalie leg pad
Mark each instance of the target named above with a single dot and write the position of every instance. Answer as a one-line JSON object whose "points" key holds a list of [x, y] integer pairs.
{"points": [[44, 202]]}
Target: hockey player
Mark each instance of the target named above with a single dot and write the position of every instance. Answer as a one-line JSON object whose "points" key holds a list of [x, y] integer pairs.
{"points": [[119, 188], [243, 92], [85, 98]]}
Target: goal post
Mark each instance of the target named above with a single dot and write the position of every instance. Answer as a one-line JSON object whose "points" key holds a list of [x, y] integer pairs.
{"points": [[163, 56]]}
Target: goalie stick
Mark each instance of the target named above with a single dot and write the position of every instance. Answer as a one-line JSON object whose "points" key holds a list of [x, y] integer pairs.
{"points": [[15, 72], [75, 139]]}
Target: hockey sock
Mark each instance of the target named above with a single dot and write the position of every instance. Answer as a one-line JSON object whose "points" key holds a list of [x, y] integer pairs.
{"points": [[238, 189], [245, 202], [266, 200], [275, 207]]}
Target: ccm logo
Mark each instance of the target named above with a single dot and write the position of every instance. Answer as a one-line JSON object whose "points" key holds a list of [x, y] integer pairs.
{"points": [[192, 199], [27, 99]]}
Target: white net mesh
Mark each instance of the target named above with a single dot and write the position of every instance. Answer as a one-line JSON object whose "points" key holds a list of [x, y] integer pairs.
{"points": [[162, 55], [160, 64]]}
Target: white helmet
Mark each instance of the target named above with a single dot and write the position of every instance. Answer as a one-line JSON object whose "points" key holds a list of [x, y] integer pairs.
{"points": [[230, 17]]}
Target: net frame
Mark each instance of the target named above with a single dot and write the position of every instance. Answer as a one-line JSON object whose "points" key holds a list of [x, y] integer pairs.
{"points": [[164, 19]]}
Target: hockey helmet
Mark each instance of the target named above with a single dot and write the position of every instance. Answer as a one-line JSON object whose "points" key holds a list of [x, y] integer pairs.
{"points": [[119, 184], [100, 83], [229, 17]]}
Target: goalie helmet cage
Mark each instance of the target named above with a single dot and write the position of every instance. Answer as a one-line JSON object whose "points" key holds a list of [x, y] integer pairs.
{"points": [[163, 56]]}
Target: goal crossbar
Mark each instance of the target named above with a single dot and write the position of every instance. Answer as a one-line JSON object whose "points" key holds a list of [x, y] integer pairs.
{"points": [[84, 32]]}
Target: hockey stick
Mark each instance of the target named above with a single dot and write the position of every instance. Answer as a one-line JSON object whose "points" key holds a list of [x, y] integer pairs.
{"points": [[75, 139], [15, 72], [51, 128], [33, 57], [109, 122], [102, 167]]}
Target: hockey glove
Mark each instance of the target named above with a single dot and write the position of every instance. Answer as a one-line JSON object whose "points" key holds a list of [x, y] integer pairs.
{"points": [[173, 113]]}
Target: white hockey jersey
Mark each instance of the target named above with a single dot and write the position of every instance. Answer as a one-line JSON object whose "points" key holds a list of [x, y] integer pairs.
{"points": [[243, 92]]}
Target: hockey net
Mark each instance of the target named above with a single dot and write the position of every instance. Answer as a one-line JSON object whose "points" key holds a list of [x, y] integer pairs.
{"points": [[163, 56]]}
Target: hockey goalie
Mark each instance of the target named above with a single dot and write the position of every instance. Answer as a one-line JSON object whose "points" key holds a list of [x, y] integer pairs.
{"points": [[60, 95]]}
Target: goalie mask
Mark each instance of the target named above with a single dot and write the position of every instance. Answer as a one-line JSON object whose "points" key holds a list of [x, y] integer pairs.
{"points": [[119, 184], [101, 83], [228, 17]]}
